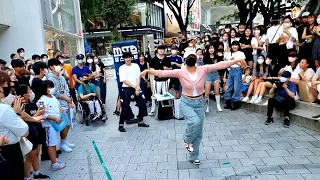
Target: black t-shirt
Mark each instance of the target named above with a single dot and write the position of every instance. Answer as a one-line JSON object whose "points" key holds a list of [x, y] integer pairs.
{"points": [[158, 64], [101, 65], [208, 60], [300, 30], [182, 47], [36, 88], [34, 128], [247, 51], [22, 80]]}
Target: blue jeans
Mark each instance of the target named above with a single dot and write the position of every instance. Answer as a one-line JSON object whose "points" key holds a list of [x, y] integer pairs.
{"points": [[193, 113], [234, 84]]}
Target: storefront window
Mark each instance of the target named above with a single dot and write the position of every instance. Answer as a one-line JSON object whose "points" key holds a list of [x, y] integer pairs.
{"points": [[63, 15]]}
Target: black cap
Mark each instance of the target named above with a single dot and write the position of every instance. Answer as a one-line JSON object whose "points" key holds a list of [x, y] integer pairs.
{"points": [[126, 54], [235, 43], [174, 46], [80, 56], [162, 47], [286, 74]]}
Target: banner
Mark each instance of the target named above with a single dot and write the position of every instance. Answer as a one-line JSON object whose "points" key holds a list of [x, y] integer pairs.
{"points": [[118, 48]]}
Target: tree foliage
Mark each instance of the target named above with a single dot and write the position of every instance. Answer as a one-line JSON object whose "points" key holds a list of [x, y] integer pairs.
{"points": [[176, 7], [113, 12]]}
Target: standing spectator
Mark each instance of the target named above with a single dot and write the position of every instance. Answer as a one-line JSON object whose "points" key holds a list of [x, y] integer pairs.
{"points": [[305, 51], [273, 34], [44, 58], [233, 36], [144, 80], [160, 62], [21, 53], [183, 45], [199, 44], [225, 41], [300, 28], [258, 44], [61, 92], [19, 67], [40, 70], [79, 70], [232, 94], [35, 58], [316, 45], [14, 56], [3, 64], [242, 28], [103, 78], [245, 43], [284, 92], [95, 70], [176, 62]]}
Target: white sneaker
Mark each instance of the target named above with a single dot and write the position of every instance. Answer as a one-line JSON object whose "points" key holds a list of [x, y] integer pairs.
{"points": [[65, 148], [253, 99], [69, 144], [60, 165], [189, 147], [246, 99], [266, 103], [151, 114], [259, 100], [206, 107], [219, 108]]}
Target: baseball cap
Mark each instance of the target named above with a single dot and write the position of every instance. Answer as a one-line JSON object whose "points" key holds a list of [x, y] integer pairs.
{"points": [[305, 14], [126, 54], [80, 56], [286, 74], [293, 54], [174, 47], [162, 47]]}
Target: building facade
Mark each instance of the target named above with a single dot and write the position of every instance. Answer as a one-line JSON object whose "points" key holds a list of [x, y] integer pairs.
{"points": [[40, 27]]}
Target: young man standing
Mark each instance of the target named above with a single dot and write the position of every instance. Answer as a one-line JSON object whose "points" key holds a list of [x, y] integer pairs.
{"points": [[129, 75], [176, 62], [40, 70], [19, 69], [79, 70], [61, 92], [21, 53]]}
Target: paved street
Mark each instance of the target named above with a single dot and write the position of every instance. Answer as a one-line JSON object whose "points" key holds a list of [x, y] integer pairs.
{"points": [[236, 145]]}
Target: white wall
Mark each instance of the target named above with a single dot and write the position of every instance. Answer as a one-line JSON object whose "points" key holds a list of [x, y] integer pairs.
{"points": [[26, 28]]}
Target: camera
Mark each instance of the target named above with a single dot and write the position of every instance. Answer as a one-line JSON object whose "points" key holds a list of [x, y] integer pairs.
{"points": [[279, 84]]}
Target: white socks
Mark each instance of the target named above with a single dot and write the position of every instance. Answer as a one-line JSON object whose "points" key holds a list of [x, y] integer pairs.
{"points": [[218, 100]]}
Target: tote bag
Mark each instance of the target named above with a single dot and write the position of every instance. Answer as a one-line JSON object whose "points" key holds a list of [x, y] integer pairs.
{"points": [[60, 126]]}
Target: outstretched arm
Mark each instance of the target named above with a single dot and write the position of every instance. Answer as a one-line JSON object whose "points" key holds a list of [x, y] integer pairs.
{"points": [[162, 73], [224, 64]]}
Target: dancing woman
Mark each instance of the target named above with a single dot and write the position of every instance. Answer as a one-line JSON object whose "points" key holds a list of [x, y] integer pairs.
{"points": [[192, 79]]}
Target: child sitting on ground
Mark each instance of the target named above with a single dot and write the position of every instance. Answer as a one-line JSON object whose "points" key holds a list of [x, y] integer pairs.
{"points": [[246, 80]]}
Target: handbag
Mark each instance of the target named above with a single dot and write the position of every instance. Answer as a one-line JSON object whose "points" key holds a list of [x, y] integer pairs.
{"points": [[25, 146], [60, 126]]}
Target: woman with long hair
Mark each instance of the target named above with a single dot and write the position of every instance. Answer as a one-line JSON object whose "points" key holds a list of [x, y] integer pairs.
{"points": [[316, 44], [191, 105], [95, 69]]}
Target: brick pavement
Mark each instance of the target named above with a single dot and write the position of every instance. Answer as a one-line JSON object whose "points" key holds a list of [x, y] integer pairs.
{"points": [[236, 145]]}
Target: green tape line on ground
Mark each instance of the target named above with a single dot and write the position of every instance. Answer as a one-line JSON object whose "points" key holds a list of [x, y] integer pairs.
{"points": [[101, 161]]}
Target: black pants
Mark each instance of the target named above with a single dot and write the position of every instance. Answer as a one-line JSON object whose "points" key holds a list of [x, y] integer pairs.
{"points": [[126, 97], [273, 52], [12, 153], [285, 105]]}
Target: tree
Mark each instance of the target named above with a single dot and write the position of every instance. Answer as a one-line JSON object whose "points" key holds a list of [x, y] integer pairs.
{"points": [[176, 7], [113, 12]]}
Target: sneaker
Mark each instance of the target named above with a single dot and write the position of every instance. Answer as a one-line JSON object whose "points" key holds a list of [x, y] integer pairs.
{"points": [[151, 114], [207, 108], [69, 144], [253, 99], [195, 162], [258, 101], [60, 165], [121, 129], [41, 176], [246, 99], [116, 113], [219, 108], [95, 117], [188, 146], [286, 123], [65, 148], [143, 125], [265, 104], [268, 121], [316, 117]]}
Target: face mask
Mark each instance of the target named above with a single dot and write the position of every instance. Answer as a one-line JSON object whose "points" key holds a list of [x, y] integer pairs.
{"points": [[52, 91], [191, 61], [80, 61], [225, 38], [174, 52], [260, 61], [190, 45], [62, 61], [45, 60], [257, 32], [227, 30], [268, 61], [22, 54], [96, 60], [206, 39], [283, 79], [32, 96], [90, 61], [318, 20], [198, 41], [57, 69], [86, 81], [291, 59], [221, 40], [287, 25]]}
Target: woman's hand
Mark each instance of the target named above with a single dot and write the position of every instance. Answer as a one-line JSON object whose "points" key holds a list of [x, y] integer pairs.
{"points": [[243, 63], [40, 112], [254, 78], [143, 73], [3, 140], [274, 86], [38, 119], [17, 106]]}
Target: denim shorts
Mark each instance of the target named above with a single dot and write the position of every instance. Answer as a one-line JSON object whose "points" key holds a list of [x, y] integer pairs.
{"points": [[244, 87], [212, 76]]}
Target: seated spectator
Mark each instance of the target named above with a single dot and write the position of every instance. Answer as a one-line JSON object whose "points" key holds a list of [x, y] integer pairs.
{"points": [[36, 134], [52, 110], [13, 127], [305, 72], [246, 81], [87, 92], [284, 91]]}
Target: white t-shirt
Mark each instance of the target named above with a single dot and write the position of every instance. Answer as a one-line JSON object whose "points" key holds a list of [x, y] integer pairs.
{"points": [[255, 42], [272, 33], [308, 74], [11, 125], [52, 108], [235, 39], [233, 56], [130, 73]]}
